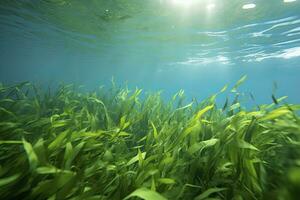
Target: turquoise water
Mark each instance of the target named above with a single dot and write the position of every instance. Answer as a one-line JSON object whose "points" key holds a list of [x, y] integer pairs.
{"points": [[198, 46]]}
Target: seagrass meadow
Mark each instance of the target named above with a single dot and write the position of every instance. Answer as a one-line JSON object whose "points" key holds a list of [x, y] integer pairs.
{"points": [[113, 144], [204, 103]]}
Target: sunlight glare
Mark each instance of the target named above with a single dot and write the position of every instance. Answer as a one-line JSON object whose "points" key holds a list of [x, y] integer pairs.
{"points": [[210, 6], [185, 3], [249, 6]]}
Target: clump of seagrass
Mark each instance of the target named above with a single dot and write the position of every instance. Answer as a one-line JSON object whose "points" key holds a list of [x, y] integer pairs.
{"points": [[111, 144]]}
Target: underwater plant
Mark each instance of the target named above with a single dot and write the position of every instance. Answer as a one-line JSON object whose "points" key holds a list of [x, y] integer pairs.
{"points": [[112, 144]]}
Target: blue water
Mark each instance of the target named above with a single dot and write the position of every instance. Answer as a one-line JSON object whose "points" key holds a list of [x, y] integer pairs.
{"points": [[198, 46]]}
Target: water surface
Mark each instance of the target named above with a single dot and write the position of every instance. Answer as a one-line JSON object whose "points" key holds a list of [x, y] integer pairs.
{"points": [[168, 45]]}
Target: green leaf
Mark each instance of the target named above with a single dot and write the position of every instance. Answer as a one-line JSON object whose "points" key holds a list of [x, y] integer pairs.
{"points": [[184, 107], [245, 145], [238, 83], [8, 180], [224, 88], [10, 142], [73, 154], [40, 151], [276, 113], [234, 106], [155, 134], [209, 192], [124, 134], [68, 154], [123, 124], [51, 170], [202, 145], [57, 142], [136, 158], [141, 157], [203, 111], [146, 194], [167, 181], [31, 155]]}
